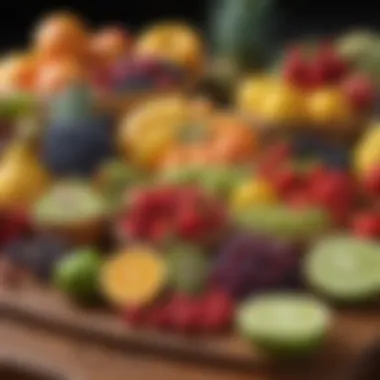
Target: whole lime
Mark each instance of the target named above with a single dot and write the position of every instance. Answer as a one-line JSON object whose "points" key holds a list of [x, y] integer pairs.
{"points": [[77, 275]]}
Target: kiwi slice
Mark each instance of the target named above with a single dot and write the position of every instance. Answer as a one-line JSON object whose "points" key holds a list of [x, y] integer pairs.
{"points": [[67, 203], [344, 268], [285, 222], [284, 324]]}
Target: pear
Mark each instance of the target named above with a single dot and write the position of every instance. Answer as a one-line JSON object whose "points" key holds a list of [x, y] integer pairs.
{"points": [[22, 178]]}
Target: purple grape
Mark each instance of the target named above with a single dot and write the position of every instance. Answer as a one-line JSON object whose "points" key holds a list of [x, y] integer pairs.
{"points": [[250, 263], [37, 254]]}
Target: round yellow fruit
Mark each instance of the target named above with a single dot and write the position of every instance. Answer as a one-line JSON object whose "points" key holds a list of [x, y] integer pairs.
{"points": [[283, 104], [173, 41], [329, 106], [367, 153], [252, 92], [134, 277], [254, 192]]}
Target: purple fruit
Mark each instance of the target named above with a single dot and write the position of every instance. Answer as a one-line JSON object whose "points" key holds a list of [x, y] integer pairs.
{"points": [[250, 263], [37, 254]]}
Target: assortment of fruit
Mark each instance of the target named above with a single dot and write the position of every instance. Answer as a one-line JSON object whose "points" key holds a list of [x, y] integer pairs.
{"points": [[180, 215]]}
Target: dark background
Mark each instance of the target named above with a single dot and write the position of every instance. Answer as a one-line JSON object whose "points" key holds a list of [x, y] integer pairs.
{"points": [[300, 16]]}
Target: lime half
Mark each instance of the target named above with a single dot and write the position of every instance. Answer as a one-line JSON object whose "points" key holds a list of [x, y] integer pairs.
{"points": [[284, 323], [344, 268]]}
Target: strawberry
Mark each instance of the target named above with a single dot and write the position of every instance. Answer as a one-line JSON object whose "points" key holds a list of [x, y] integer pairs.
{"points": [[367, 225]]}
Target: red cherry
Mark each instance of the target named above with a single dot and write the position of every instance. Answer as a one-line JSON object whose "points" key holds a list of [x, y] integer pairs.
{"points": [[371, 181], [360, 91], [367, 225]]}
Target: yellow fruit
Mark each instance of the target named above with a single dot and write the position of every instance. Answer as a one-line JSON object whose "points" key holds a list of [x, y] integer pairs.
{"points": [[149, 130], [252, 92], [172, 41], [134, 277], [254, 192], [329, 106], [367, 153], [284, 104]]}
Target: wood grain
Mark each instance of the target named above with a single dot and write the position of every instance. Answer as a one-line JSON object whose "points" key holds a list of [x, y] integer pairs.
{"points": [[43, 308]]}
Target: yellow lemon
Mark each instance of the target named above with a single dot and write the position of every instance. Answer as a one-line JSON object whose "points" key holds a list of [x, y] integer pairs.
{"points": [[254, 192], [329, 106], [251, 93], [133, 277], [284, 104]]}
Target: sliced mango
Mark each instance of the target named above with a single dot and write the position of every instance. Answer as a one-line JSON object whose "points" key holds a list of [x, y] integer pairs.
{"points": [[134, 277]]}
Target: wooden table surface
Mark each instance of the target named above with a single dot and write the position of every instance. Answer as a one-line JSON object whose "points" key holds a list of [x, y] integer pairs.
{"points": [[86, 361]]}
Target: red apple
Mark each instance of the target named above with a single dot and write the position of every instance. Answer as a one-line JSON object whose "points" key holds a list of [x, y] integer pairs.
{"points": [[360, 91]]}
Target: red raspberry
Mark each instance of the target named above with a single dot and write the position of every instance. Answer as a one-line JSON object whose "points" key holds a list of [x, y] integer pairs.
{"points": [[217, 311]]}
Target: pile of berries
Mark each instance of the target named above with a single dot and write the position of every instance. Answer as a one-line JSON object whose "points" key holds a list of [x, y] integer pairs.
{"points": [[210, 313], [161, 213]]}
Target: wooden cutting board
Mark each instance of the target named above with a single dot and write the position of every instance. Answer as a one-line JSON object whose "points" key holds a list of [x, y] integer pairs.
{"points": [[350, 334]]}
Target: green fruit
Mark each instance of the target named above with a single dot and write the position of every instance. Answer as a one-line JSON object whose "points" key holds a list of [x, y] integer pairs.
{"points": [[344, 268], [114, 179], [218, 180], [69, 203], [77, 275], [286, 324], [188, 268], [285, 222]]}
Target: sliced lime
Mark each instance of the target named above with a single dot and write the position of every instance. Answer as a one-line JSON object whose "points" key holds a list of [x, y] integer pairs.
{"points": [[344, 268], [284, 323]]}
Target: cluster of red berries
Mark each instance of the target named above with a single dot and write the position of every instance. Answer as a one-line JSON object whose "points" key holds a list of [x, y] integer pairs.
{"points": [[185, 213], [211, 312], [326, 67], [332, 189]]}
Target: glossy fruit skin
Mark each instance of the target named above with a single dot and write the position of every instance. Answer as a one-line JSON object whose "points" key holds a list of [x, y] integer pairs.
{"points": [[77, 275], [361, 92], [256, 191], [174, 42], [77, 149], [329, 106], [61, 35], [249, 263]]}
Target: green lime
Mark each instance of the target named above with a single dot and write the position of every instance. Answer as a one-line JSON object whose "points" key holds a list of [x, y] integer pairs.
{"points": [[344, 268], [77, 275], [285, 324]]}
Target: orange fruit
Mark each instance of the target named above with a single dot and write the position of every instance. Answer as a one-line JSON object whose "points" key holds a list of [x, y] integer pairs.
{"points": [[172, 41], [110, 44], [134, 277], [55, 75], [60, 35]]}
